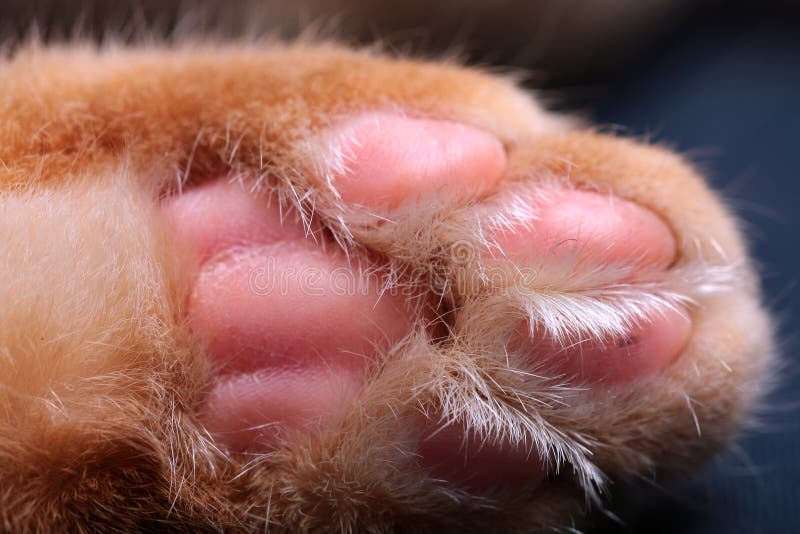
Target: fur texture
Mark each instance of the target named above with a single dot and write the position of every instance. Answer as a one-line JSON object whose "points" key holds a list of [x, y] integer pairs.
{"points": [[100, 380]]}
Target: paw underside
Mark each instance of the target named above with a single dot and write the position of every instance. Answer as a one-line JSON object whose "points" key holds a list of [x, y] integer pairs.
{"points": [[306, 288]]}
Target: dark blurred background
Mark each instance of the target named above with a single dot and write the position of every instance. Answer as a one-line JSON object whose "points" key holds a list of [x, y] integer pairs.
{"points": [[717, 80]]}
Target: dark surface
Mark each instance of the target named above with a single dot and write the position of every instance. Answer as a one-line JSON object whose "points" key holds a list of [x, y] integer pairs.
{"points": [[725, 90]]}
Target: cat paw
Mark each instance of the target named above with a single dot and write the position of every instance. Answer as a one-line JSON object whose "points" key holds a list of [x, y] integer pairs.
{"points": [[306, 288], [551, 293]]}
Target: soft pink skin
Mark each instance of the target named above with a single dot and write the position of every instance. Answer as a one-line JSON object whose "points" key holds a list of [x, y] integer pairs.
{"points": [[645, 352], [304, 353], [253, 411], [397, 159], [598, 230], [595, 228], [219, 215], [293, 355], [445, 453], [290, 325]]}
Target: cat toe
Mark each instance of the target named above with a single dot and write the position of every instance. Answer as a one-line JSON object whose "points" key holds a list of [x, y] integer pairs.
{"points": [[391, 159], [612, 242]]}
